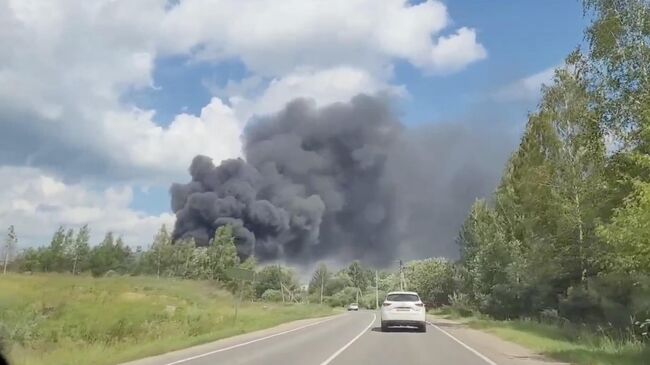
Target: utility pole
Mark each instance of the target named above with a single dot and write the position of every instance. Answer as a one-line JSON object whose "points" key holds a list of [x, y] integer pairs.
{"points": [[376, 289], [401, 276], [322, 283], [11, 241], [239, 276], [158, 261], [282, 291], [238, 301], [4, 269], [281, 286]]}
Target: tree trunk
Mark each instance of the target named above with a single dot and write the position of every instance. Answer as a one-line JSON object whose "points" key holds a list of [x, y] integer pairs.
{"points": [[158, 266], [322, 279], [282, 291], [583, 269], [376, 289]]}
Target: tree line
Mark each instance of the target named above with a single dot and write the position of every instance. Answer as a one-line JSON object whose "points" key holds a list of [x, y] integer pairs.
{"points": [[69, 251], [568, 229]]}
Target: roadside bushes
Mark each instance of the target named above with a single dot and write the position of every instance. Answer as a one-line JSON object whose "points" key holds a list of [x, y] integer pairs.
{"points": [[615, 300], [4, 338], [336, 284], [368, 299], [344, 297], [272, 295], [461, 304]]}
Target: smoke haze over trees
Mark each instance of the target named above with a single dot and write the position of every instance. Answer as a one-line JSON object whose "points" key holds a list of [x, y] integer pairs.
{"points": [[345, 181]]}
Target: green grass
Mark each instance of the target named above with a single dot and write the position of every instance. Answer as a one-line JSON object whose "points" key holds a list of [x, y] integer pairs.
{"points": [[568, 343], [61, 319]]}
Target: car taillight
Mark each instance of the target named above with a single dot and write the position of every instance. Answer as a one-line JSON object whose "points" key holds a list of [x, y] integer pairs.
{"points": [[420, 304], [386, 304]]}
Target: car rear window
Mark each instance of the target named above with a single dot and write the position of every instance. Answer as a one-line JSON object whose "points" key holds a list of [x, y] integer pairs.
{"points": [[402, 298]]}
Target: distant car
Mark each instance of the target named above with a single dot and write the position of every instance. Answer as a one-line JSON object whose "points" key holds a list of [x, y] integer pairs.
{"points": [[353, 307], [403, 308]]}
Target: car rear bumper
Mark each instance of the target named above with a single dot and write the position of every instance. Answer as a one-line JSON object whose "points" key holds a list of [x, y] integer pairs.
{"points": [[403, 317], [402, 323]]}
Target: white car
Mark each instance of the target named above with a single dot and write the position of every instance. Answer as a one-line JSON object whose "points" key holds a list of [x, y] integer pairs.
{"points": [[353, 307], [403, 308]]}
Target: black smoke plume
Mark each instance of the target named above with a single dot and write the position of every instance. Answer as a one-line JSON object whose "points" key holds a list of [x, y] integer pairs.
{"points": [[345, 181]]}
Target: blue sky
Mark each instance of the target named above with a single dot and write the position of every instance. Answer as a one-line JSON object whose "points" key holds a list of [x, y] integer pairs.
{"points": [[521, 37], [113, 98]]}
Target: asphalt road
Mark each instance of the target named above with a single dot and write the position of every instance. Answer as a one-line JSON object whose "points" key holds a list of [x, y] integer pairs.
{"points": [[353, 338]]}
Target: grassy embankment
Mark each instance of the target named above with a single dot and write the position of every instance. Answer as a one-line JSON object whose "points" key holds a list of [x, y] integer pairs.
{"points": [[61, 319], [568, 342]]}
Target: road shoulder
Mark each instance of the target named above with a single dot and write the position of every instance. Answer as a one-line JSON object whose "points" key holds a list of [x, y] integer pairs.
{"points": [[190, 352], [495, 349]]}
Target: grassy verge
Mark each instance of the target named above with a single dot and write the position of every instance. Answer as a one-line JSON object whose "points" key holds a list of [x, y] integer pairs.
{"points": [[568, 343], [60, 319]]}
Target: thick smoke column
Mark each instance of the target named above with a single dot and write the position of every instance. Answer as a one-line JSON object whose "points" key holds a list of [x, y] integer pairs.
{"points": [[343, 182], [311, 187]]}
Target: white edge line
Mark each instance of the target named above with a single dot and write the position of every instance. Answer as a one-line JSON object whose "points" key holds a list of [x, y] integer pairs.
{"points": [[469, 348], [337, 353], [248, 342]]}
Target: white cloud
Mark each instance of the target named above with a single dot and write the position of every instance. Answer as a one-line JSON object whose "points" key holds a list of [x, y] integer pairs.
{"points": [[273, 37], [62, 95], [37, 203], [454, 52], [324, 86], [135, 138], [526, 89], [66, 69]]}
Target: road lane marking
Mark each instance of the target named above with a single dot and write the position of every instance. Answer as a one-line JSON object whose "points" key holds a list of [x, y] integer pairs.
{"points": [[247, 343], [468, 347], [337, 353]]}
